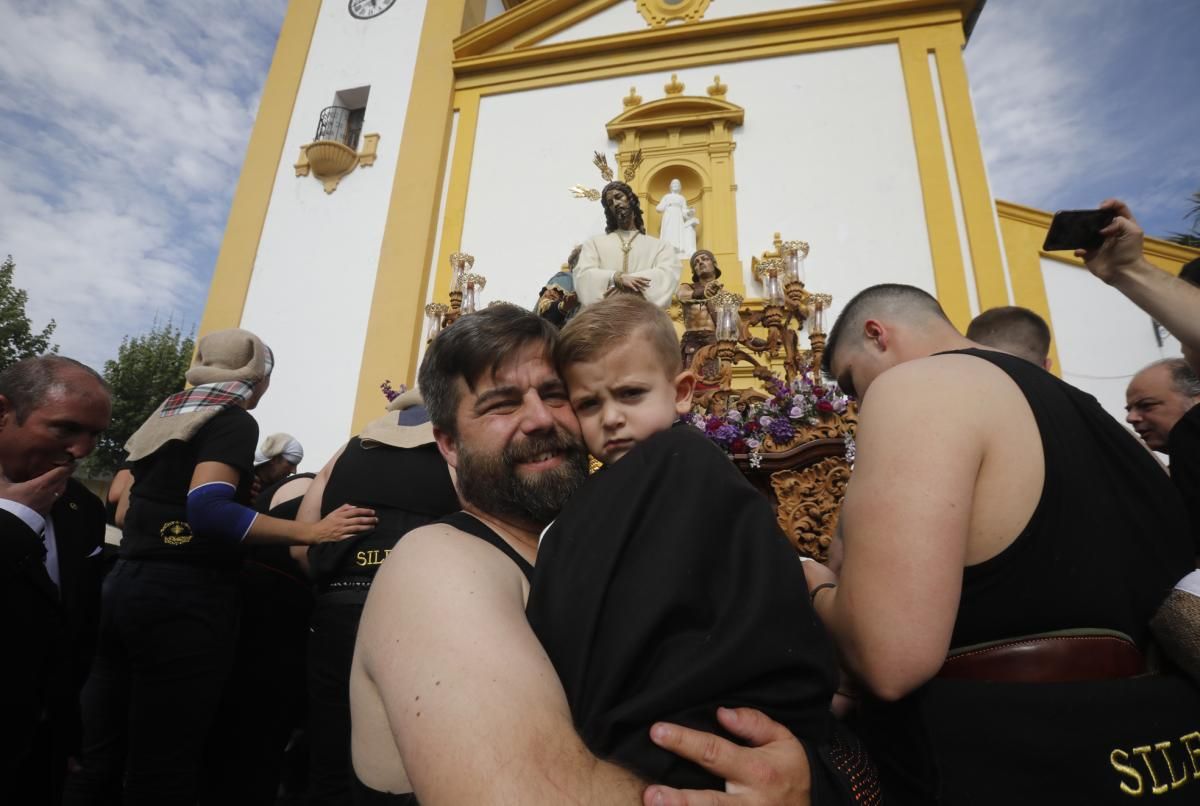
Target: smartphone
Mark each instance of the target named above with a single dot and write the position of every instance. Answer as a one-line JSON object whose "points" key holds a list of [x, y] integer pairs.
{"points": [[1076, 229]]}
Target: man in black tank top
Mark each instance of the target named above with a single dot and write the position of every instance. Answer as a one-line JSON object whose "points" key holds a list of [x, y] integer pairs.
{"points": [[999, 517], [451, 694]]}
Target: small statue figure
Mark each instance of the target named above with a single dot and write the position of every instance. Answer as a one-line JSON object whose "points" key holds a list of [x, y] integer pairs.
{"points": [[557, 301], [690, 223], [699, 316], [673, 207], [625, 259]]}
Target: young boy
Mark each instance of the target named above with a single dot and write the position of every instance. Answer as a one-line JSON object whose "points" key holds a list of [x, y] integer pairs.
{"points": [[665, 589]]}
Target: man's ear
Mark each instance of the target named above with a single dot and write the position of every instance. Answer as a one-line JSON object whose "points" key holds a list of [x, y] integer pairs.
{"points": [[1048, 363], [685, 387], [447, 447], [876, 332], [7, 415]]}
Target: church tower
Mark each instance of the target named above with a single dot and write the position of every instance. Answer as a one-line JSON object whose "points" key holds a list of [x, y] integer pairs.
{"points": [[395, 133]]}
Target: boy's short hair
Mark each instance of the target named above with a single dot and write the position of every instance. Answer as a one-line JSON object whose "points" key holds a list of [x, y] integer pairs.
{"points": [[600, 327]]}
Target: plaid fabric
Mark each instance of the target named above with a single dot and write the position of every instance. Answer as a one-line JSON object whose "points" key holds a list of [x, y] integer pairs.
{"points": [[210, 395]]}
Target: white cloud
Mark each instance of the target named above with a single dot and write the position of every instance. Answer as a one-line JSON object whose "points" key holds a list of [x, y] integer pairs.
{"points": [[124, 125]]}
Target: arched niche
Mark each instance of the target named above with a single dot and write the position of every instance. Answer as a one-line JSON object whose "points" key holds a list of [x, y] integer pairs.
{"points": [[687, 137]]}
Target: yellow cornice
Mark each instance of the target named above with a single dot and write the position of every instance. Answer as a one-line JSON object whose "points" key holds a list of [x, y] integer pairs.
{"points": [[1163, 250], [676, 110], [472, 49]]}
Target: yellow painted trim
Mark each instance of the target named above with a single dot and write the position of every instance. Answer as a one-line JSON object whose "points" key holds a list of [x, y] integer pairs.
{"points": [[562, 22], [944, 247], [397, 307], [1021, 246], [456, 192], [707, 40], [248, 211], [512, 24], [977, 206]]}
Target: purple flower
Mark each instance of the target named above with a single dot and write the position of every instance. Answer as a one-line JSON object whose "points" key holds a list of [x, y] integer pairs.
{"points": [[796, 413], [781, 431], [765, 422]]}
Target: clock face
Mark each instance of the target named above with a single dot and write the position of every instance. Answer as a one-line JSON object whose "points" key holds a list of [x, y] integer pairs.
{"points": [[366, 9]]}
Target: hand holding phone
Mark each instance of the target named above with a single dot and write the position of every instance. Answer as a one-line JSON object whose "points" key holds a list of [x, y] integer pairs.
{"points": [[1077, 229]]}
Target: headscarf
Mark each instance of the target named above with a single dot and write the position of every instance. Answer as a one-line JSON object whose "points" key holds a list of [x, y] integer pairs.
{"points": [[406, 425], [280, 444]]}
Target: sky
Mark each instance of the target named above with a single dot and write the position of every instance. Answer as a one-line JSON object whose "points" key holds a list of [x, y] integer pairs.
{"points": [[123, 125]]}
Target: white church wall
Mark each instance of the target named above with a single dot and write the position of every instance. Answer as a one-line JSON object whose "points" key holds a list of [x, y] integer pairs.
{"points": [[493, 8], [1103, 339], [332, 241], [826, 155]]}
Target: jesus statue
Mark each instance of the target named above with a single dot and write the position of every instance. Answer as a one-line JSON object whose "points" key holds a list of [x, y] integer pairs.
{"points": [[625, 259], [673, 208]]}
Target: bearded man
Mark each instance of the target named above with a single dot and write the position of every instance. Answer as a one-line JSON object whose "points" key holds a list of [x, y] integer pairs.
{"points": [[625, 259]]}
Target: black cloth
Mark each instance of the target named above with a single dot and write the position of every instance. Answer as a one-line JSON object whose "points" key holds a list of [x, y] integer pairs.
{"points": [[156, 526], [364, 795], [408, 488], [168, 629], [1105, 544], [1184, 442], [264, 697], [665, 589], [49, 636]]}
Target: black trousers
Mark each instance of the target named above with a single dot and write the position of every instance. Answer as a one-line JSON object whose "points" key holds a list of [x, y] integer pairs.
{"points": [[167, 634], [330, 652]]}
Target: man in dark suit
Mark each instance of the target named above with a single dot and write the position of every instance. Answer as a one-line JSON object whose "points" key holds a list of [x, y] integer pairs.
{"points": [[51, 532]]}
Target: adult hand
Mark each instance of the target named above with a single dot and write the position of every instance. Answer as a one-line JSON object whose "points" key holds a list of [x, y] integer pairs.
{"points": [[1121, 250], [40, 492], [570, 302], [343, 522], [816, 574], [773, 771], [631, 282]]}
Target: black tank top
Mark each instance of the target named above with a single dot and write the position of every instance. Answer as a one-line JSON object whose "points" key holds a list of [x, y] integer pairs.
{"points": [[364, 795], [1107, 541], [407, 488]]}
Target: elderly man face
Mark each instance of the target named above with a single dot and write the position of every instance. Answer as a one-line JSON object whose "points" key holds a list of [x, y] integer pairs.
{"points": [[61, 429], [1155, 405]]}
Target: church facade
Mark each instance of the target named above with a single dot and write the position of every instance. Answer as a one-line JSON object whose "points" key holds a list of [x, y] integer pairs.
{"points": [[393, 134]]}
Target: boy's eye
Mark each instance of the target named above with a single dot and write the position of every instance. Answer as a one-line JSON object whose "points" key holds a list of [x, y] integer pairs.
{"points": [[586, 404], [631, 394]]}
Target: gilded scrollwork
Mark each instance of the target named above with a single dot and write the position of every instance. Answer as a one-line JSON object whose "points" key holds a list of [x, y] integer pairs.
{"points": [[809, 501]]}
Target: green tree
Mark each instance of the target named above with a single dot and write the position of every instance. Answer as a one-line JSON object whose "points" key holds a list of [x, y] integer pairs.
{"points": [[147, 369], [17, 339], [1192, 237]]}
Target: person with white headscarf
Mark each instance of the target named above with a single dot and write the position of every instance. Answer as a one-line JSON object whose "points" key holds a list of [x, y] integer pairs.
{"points": [[277, 458]]}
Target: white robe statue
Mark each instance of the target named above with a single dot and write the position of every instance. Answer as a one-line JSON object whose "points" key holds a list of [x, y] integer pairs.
{"points": [[672, 207], [649, 257]]}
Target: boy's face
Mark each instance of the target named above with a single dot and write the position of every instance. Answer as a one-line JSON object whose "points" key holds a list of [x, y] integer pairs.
{"points": [[624, 396]]}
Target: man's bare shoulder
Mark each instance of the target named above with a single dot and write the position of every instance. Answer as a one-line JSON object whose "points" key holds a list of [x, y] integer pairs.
{"points": [[939, 380], [438, 554]]}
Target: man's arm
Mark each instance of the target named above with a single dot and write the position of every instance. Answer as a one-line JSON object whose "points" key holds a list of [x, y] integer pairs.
{"points": [[1120, 262], [592, 280], [663, 275], [474, 704], [905, 518]]}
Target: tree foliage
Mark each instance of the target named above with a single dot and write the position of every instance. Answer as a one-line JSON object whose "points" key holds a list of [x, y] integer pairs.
{"points": [[17, 337], [1192, 237], [147, 369]]}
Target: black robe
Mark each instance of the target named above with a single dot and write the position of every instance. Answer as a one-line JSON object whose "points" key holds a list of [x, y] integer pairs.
{"points": [[666, 589]]}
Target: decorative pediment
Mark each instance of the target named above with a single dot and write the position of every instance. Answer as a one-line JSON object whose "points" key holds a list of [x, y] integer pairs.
{"points": [[673, 111]]}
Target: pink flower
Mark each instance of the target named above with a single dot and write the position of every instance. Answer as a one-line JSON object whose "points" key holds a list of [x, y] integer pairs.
{"points": [[824, 406]]}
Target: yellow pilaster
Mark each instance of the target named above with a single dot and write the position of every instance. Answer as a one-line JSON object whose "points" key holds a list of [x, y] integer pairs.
{"points": [[944, 246], [397, 306], [248, 212], [467, 104], [977, 206]]}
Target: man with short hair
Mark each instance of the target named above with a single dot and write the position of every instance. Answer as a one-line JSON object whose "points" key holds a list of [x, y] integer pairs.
{"points": [[451, 694], [1015, 330], [52, 409], [1161, 402], [1006, 544]]}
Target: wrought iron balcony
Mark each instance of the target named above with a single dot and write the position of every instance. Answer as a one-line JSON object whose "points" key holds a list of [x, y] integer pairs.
{"points": [[340, 125]]}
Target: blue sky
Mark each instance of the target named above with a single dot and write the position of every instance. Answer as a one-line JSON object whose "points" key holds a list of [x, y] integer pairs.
{"points": [[123, 125]]}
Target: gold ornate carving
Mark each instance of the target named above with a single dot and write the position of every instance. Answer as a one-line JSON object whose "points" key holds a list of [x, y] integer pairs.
{"points": [[809, 502], [632, 99], [659, 12], [330, 161], [675, 87], [717, 89]]}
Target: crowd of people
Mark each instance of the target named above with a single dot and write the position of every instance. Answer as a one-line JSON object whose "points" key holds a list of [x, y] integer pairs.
{"points": [[455, 610]]}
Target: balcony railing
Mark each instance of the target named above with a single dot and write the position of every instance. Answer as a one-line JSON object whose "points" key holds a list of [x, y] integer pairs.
{"points": [[341, 125]]}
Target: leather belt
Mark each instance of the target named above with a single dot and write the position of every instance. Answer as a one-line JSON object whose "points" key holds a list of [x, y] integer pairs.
{"points": [[1062, 658]]}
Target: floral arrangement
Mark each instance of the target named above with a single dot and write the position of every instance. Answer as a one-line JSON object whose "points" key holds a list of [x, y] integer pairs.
{"points": [[744, 427], [390, 393]]}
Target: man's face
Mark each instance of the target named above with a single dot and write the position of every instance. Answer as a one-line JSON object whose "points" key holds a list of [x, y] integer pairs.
{"points": [[623, 397], [61, 431], [518, 454], [1153, 406], [706, 270], [856, 365], [617, 201]]}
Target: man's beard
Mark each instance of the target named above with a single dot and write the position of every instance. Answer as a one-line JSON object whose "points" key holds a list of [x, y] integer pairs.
{"points": [[491, 482]]}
